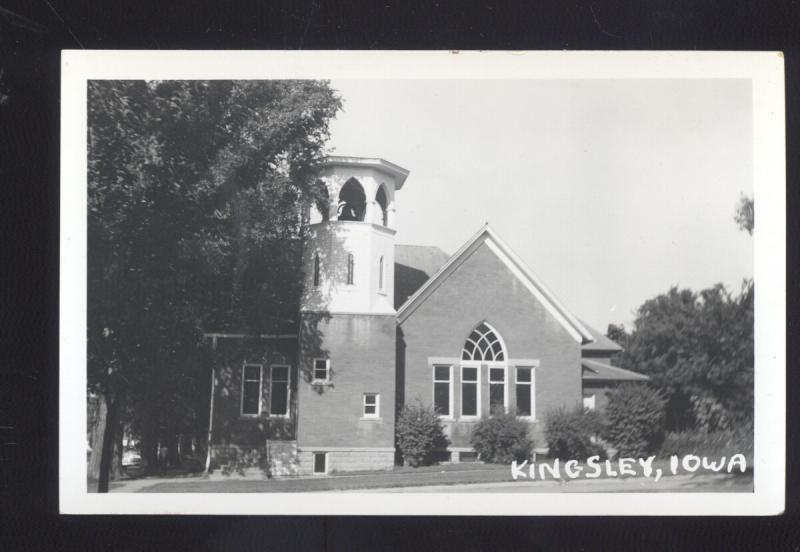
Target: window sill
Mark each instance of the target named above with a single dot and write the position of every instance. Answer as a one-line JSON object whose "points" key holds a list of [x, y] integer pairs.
{"points": [[369, 419], [469, 418], [250, 416], [280, 416], [322, 383]]}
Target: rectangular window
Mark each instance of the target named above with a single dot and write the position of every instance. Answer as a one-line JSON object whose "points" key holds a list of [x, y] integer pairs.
{"points": [[371, 405], [251, 390], [497, 390], [320, 462], [525, 392], [322, 370], [350, 268], [470, 392], [588, 401], [442, 390], [279, 391], [316, 270]]}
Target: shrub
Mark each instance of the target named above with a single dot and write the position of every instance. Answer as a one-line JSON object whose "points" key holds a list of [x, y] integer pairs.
{"points": [[635, 419], [239, 461], [419, 433], [711, 444], [502, 438], [572, 434]]}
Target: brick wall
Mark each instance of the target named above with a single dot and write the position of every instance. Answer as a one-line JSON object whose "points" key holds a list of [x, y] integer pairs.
{"points": [[482, 288], [361, 349], [229, 426]]}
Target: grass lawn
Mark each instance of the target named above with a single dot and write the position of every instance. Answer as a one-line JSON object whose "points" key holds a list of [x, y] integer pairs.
{"points": [[445, 474]]}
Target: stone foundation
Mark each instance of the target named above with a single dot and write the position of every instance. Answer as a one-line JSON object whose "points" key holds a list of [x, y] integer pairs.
{"points": [[340, 459]]}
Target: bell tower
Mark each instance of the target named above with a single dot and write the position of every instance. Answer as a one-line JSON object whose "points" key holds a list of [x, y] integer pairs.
{"points": [[348, 333], [349, 256]]}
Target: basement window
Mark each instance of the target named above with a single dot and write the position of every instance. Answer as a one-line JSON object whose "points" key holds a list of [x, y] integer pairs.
{"points": [[320, 460]]}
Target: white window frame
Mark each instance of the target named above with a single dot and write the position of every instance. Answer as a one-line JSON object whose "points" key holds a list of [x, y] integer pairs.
{"points": [[449, 381], [377, 414], [532, 385], [478, 385], [505, 383], [245, 365], [314, 379], [288, 390], [313, 464]]}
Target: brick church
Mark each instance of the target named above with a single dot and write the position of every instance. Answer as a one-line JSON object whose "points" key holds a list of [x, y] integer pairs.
{"points": [[384, 324]]}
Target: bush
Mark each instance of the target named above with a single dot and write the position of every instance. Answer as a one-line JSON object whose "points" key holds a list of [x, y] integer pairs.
{"points": [[419, 433], [502, 438], [635, 419], [572, 434], [711, 444], [238, 461]]}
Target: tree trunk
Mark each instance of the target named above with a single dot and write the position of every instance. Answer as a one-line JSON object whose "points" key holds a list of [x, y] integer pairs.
{"points": [[173, 458], [109, 437], [97, 423], [116, 465], [149, 444]]}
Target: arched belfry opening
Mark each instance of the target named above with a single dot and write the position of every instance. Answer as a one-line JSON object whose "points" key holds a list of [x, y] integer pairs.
{"points": [[383, 203], [484, 344], [352, 201]]}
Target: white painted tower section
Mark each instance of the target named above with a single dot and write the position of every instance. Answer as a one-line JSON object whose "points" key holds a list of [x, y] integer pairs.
{"points": [[370, 242]]}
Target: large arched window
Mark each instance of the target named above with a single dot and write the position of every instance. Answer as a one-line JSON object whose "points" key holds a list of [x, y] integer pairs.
{"points": [[352, 201], [383, 203], [484, 347], [484, 343]]}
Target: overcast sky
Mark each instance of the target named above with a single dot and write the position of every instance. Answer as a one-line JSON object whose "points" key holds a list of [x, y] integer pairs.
{"points": [[611, 191]]}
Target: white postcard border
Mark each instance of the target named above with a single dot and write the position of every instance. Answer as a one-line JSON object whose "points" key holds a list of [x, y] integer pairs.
{"points": [[764, 69]]}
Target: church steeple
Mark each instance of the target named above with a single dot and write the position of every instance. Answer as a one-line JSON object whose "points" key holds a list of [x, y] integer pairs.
{"points": [[349, 257]]}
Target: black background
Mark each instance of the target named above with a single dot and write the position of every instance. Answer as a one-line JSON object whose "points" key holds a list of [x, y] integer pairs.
{"points": [[33, 32]]}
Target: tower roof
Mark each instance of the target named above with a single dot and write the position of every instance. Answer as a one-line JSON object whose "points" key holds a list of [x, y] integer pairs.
{"points": [[395, 171]]}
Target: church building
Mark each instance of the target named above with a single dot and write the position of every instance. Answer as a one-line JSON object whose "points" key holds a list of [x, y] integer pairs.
{"points": [[382, 325]]}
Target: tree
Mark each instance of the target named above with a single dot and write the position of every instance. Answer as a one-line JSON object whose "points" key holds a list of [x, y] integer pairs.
{"points": [[193, 186], [618, 334], [745, 214], [697, 349]]}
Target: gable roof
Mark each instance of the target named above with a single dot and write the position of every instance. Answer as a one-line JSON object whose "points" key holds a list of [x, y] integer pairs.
{"points": [[413, 266], [594, 370], [486, 235], [601, 343]]}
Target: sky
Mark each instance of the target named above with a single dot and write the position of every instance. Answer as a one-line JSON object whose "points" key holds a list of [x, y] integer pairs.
{"points": [[612, 191]]}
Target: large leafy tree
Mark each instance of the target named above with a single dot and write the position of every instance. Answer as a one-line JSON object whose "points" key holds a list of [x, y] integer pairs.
{"points": [[698, 349], [194, 195]]}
